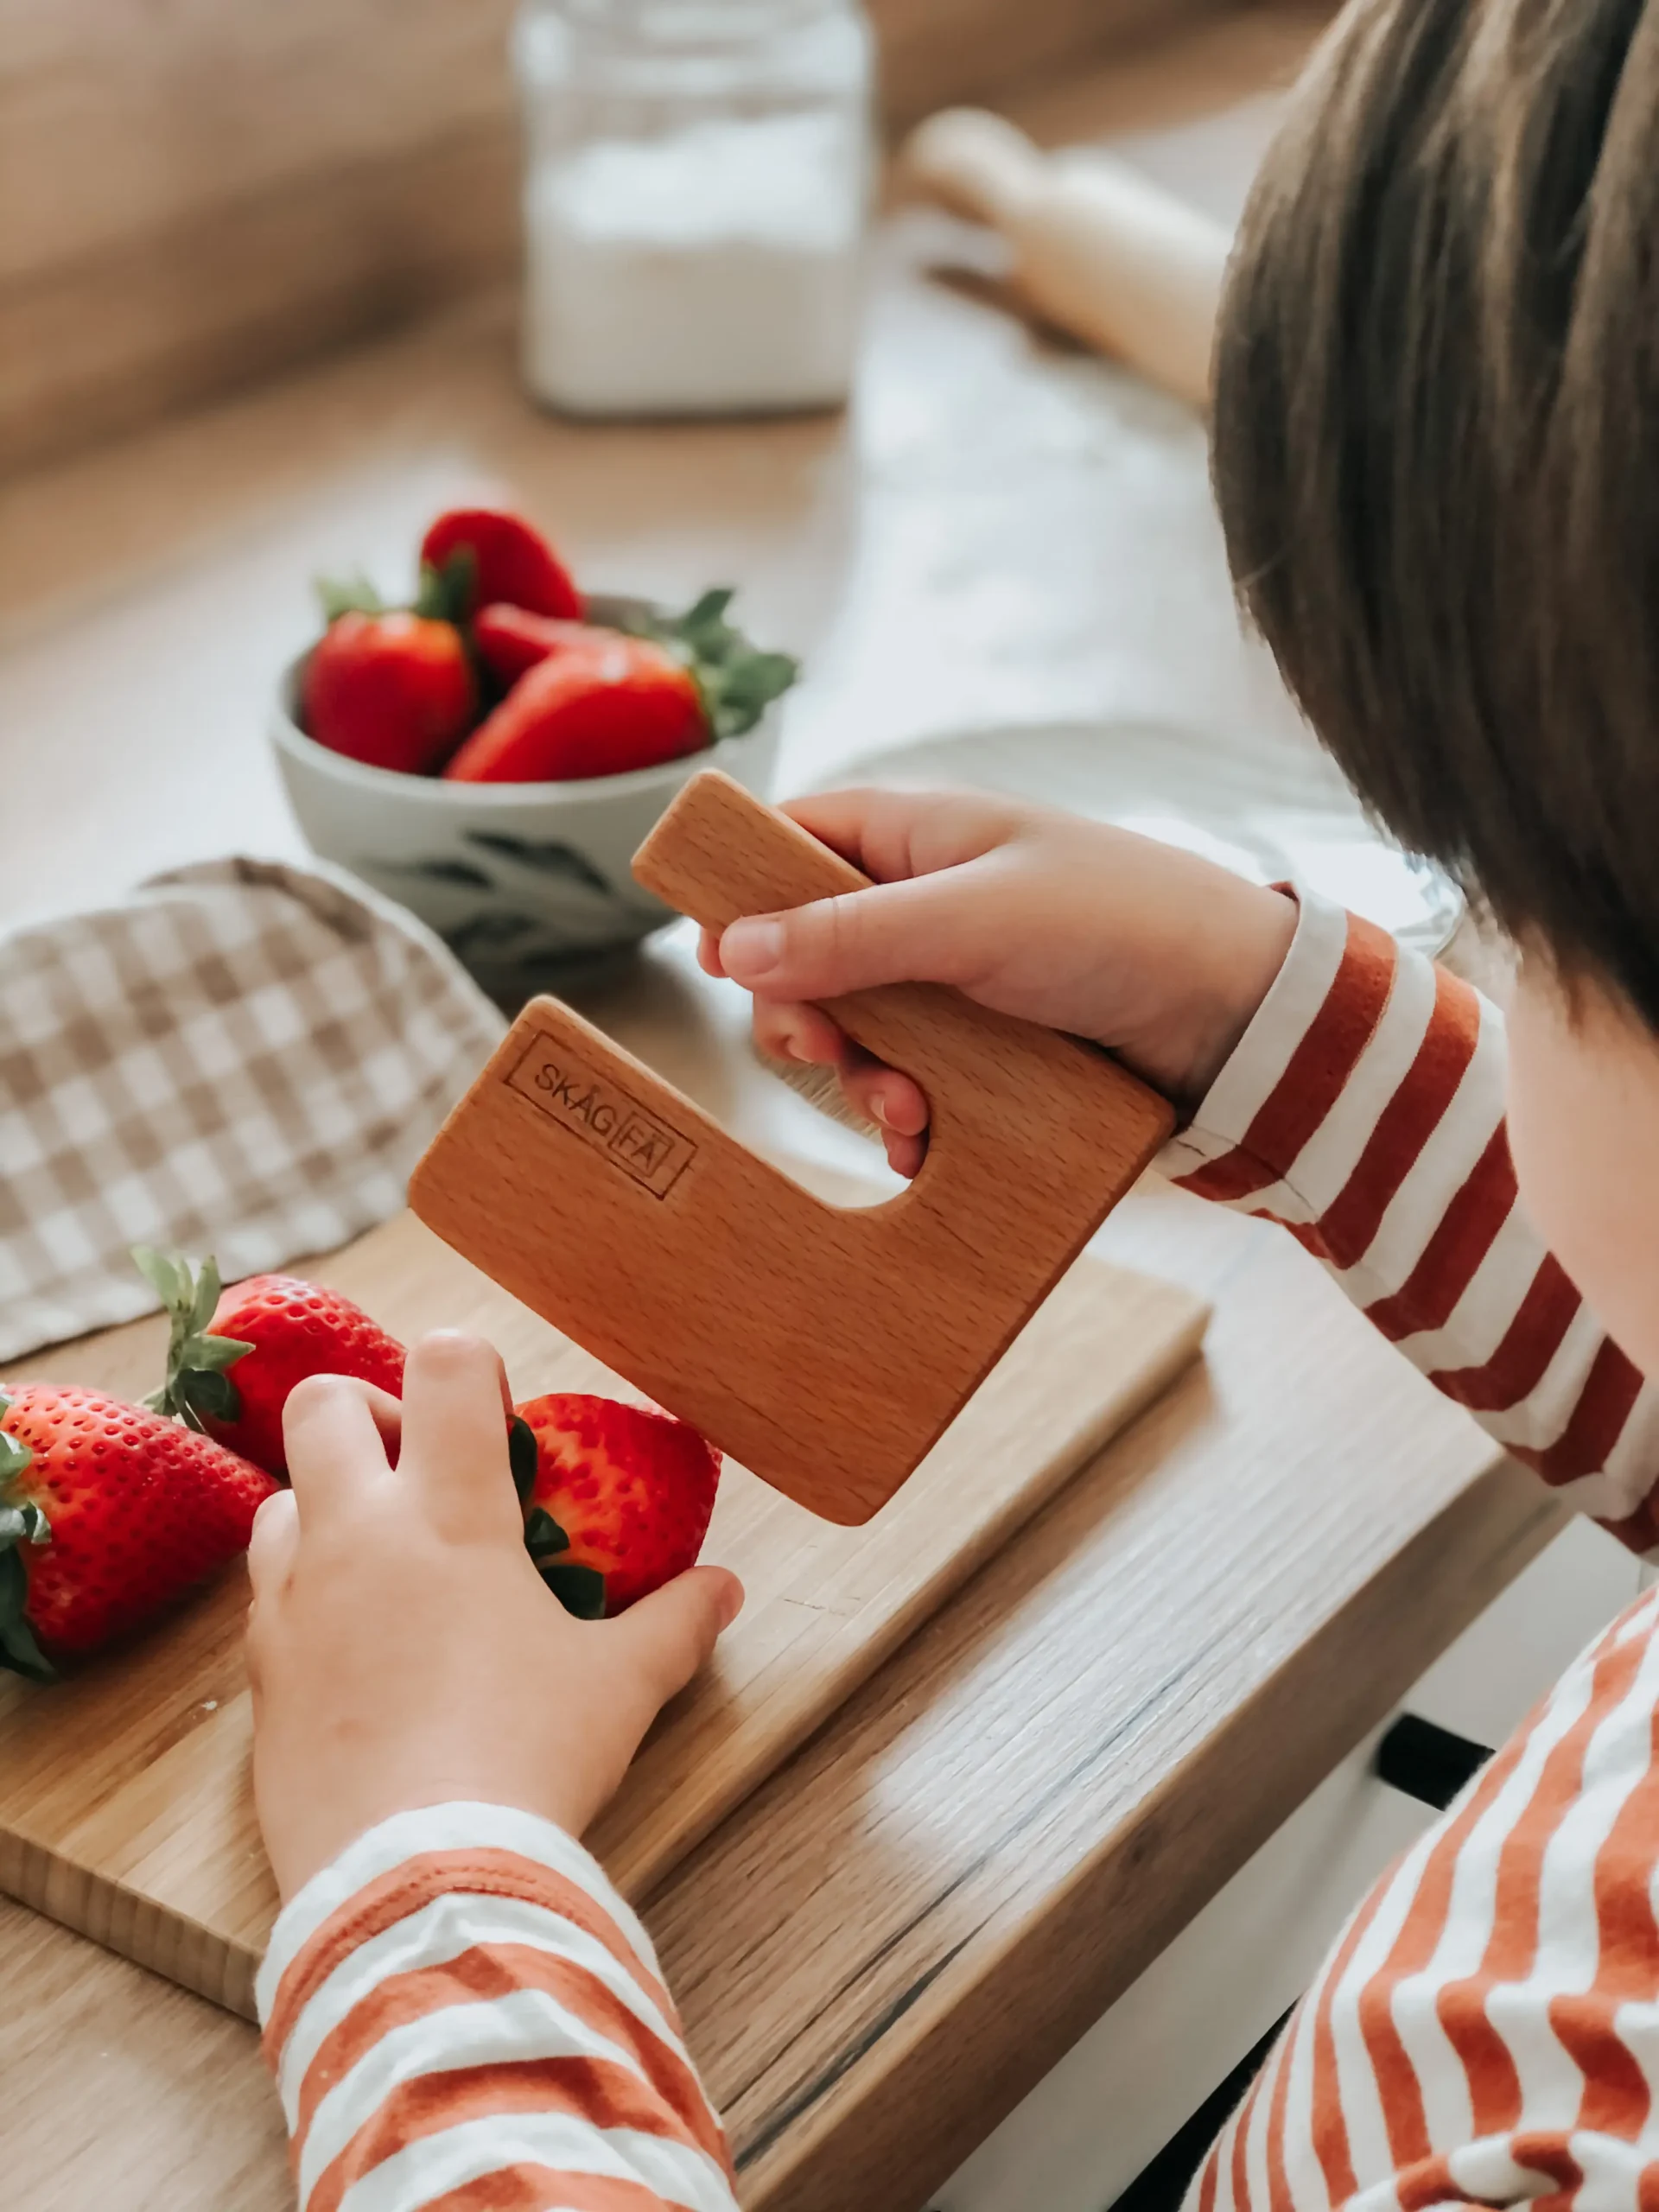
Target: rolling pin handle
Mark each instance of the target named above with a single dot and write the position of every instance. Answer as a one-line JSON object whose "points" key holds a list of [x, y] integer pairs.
{"points": [[976, 165]]}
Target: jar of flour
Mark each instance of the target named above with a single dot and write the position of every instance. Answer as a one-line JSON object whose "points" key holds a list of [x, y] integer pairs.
{"points": [[697, 186]]}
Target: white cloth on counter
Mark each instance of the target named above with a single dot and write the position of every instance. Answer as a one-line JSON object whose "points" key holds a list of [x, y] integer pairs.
{"points": [[241, 1056]]}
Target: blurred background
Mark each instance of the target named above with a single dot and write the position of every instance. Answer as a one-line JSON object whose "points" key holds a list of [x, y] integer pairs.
{"points": [[206, 192], [893, 319]]}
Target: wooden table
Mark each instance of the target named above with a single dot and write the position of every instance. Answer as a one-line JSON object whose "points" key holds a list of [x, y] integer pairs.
{"points": [[889, 1944]]}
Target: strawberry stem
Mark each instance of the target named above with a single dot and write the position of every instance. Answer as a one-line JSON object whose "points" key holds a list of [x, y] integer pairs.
{"points": [[21, 1522], [737, 681], [445, 595], [522, 1457], [197, 1389], [353, 594], [544, 1538], [580, 1590], [445, 592]]}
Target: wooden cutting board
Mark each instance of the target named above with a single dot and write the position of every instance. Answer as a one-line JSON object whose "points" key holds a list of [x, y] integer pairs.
{"points": [[125, 1809]]}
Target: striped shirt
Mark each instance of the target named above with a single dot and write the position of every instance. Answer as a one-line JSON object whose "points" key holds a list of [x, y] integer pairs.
{"points": [[461, 2012]]}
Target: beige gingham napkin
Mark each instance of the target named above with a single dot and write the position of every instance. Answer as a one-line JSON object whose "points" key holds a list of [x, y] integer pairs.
{"points": [[242, 1057]]}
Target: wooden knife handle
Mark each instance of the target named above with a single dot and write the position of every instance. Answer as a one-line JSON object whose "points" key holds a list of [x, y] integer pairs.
{"points": [[993, 1082], [719, 853], [827, 1348]]}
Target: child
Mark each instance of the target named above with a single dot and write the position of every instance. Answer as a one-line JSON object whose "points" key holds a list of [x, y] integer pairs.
{"points": [[1437, 449]]}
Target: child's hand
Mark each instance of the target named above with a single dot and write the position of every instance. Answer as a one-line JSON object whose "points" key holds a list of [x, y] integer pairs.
{"points": [[1158, 956], [404, 1650]]}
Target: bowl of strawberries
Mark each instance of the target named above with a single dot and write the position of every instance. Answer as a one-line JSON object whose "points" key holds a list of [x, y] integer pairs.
{"points": [[492, 754]]}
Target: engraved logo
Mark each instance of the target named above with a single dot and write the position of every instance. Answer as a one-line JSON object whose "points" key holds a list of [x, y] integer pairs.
{"points": [[602, 1116]]}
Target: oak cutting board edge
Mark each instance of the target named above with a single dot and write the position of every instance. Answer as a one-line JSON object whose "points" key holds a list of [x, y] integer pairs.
{"points": [[172, 1943], [126, 1810], [925, 1543]]}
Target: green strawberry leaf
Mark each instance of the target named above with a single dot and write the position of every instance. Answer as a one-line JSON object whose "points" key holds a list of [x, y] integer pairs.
{"points": [[544, 1538], [15, 1455], [523, 1457], [211, 1354], [196, 1384], [580, 1590], [18, 1649], [209, 1286], [353, 594], [737, 681], [209, 1394], [747, 687], [23, 1525], [704, 622], [445, 594], [162, 1273]]}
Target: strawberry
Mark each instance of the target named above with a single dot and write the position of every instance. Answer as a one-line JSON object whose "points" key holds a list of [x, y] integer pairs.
{"points": [[508, 641], [596, 710], [595, 702], [617, 1497], [509, 561], [108, 1515], [617, 1500], [392, 689], [234, 1356]]}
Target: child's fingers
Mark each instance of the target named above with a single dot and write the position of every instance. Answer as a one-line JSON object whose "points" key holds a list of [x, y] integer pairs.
{"points": [[338, 1433], [926, 930], [669, 1635], [905, 1153], [789, 1031], [891, 1100], [454, 1435], [273, 1542], [892, 835]]}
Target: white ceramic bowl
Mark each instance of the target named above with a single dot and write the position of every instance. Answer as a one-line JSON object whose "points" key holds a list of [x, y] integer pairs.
{"points": [[516, 878]]}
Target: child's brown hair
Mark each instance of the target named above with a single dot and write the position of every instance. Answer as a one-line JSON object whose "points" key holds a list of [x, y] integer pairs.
{"points": [[1436, 447]]}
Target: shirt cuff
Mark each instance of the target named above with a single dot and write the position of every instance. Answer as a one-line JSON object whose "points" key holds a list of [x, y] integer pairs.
{"points": [[430, 1828], [1263, 1056]]}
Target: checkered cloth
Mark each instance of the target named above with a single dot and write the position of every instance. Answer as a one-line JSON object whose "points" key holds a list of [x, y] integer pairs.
{"points": [[241, 1057]]}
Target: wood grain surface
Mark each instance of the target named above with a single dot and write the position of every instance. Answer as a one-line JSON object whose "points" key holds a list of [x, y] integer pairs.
{"points": [[825, 1347], [125, 1809]]}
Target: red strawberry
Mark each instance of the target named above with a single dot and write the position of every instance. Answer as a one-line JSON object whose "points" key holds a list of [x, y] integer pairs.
{"points": [[393, 691], [599, 710], [510, 561], [508, 641], [593, 702], [108, 1515], [619, 1500], [234, 1358]]}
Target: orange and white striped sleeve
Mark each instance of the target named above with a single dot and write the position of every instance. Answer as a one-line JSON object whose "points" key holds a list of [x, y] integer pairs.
{"points": [[1485, 2030], [1365, 1110], [462, 2012]]}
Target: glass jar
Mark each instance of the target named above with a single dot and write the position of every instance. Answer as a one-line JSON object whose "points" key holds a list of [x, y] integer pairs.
{"points": [[697, 188]]}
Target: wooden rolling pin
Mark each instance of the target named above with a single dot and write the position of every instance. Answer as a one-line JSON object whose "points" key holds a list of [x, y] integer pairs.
{"points": [[1098, 249]]}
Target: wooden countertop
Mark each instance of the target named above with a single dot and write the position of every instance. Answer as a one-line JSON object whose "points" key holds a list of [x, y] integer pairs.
{"points": [[891, 1943]]}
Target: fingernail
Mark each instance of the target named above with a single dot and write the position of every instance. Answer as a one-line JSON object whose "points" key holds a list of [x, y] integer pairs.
{"points": [[879, 1113], [755, 946]]}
